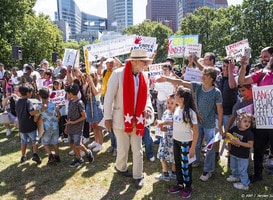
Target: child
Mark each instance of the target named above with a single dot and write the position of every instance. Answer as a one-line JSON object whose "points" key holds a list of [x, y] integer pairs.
{"points": [[165, 150], [185, 134], [27, 127], [50, 116], [239, 151], [74, 125]]}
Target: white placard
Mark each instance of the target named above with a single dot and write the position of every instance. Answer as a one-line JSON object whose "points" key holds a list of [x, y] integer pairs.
{"points": [[70, 57], [236, 50], [57, 97], [147, 43], [193, 49], [263, 106], [192, 74]]}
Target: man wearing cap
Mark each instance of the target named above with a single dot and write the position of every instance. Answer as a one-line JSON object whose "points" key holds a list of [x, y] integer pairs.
{"points": [[126, 105], [262, 77]]}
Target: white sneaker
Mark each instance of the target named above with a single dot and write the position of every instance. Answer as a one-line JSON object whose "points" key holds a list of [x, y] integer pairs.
{"points": [[8, 133], [65, 140], [92, 145], [152, 159], [232, 179], [60, 139], [98, 148], [85, 140], [240, 186], [205, 176]]}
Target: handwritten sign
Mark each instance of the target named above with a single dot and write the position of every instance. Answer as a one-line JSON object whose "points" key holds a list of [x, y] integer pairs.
{"points": [[263, 106], [177, 44], [237, 50], [70, 57], [192, 74], [193, 49], [110, 48], [155, 70], [147, 43], [57, 97]]}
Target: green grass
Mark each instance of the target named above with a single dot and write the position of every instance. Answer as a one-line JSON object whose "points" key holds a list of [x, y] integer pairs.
{"points": [[99, 179]]}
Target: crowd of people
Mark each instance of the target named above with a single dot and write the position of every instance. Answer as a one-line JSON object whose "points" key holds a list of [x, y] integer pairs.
{"points": [[116, 98]]}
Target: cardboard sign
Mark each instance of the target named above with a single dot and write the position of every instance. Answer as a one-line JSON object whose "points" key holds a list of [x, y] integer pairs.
{"points": [[147, 43], [236, 50], [57, 97], [193, 49], [156, 70], [110, 48], [177, 44], [70, 57], [192, 74], [263, 106]]}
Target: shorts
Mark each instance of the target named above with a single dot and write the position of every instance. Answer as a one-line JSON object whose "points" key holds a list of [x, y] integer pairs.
{"points": [[75, 139], [27, 137], [97, 112], [50, 137]]}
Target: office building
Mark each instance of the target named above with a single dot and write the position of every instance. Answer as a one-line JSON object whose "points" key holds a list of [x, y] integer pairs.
{"points": [[119, 14]]}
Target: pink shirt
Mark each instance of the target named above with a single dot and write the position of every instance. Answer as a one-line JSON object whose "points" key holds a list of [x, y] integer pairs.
{"points": [[267, 79]]}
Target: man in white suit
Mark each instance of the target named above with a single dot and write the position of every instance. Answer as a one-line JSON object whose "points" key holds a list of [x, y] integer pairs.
{"points": [[126, 105]]}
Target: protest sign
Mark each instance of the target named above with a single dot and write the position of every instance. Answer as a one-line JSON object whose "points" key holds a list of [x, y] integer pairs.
{"points": [[156, 70], [70, 57], [263, 106], [110, 48], [147, 43], [192, 74], [193, 49], [177, 44], [237, 50], [57, 97]]}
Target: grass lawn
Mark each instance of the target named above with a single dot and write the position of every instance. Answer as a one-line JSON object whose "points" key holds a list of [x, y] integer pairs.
{"points": [[99, 179]]}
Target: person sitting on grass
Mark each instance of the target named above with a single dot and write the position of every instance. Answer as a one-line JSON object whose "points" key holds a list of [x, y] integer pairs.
{"points": [[74, 125], [50, 117]]}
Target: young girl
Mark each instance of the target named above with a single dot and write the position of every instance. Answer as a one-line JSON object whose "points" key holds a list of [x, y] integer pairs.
{"points": [[239, 151], [165, 150], [185, 134]]}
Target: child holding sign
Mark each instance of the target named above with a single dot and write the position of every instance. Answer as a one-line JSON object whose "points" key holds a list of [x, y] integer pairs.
{"points": [[239, 151]]}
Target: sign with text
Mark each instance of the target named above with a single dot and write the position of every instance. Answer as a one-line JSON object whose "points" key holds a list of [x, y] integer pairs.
{"points": [[193, 49], [57, 97], [147, 43], [192, 74], [70, 57], [156, 70], [110, 48], [177, 44], [237, 50], [263, 106]]}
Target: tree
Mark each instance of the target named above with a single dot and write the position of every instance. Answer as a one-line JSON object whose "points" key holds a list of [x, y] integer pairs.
{"points": [[153, 29]]}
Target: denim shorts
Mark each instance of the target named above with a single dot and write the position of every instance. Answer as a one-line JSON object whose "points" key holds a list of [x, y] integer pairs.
{"points": [[27, 137], [50, 137], [75, 139]]}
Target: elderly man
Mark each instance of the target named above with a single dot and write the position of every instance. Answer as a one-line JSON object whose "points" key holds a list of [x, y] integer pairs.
{"points": [[262, 77], [126, 105]]}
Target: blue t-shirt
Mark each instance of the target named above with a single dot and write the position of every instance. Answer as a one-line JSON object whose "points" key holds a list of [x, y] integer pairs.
{"points": [[49, 117], [206, 103]]}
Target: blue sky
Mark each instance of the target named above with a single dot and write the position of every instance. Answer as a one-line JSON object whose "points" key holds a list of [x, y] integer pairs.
{"points": [[98, 7]]}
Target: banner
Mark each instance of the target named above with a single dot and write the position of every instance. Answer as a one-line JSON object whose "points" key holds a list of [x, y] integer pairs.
{"points": [[177, 44], [147, 43], [57, 97], [193, 49], [110, 48], [263, 106], [70, 57], [237, 50]]}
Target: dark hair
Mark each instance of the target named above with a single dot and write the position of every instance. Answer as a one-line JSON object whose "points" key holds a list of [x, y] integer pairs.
{"points": [[73, 89], [247, 86], [168, 66], [24, 89], [48, 72], [44, 93], [212, 72], [185, 93], [211, 56]]}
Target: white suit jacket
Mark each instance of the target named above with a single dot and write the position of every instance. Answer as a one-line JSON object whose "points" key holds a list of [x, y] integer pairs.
{"points": [[113, 101]]}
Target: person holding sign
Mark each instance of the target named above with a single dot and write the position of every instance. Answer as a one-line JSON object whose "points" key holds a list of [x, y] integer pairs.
{"points": [[126, 105], [263, 77], [208, 99]]}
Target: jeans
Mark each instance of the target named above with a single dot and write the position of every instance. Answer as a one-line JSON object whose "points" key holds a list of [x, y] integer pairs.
{"points": [[148, 142], [113, 139], [238, 168], [209, 162]]}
